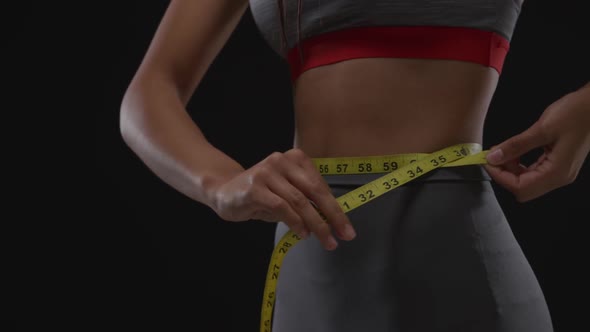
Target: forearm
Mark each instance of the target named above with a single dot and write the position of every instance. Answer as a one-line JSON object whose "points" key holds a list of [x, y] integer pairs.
{"points": [[156, 126]]}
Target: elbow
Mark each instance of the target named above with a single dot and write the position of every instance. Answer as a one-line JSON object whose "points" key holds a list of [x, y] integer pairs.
{"points": [[138, 114], [124, 120], [126, 117]]}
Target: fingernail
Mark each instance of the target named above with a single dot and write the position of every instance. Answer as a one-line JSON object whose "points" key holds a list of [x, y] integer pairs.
{"points": [[349, 232], [332, 244], [495, 156], [304, 234]]}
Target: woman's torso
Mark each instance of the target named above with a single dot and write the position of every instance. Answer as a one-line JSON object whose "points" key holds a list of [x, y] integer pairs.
{"points": [[373, 106]]}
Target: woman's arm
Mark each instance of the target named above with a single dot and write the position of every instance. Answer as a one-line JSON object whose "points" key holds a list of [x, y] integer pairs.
{"points": [[153, 119]]}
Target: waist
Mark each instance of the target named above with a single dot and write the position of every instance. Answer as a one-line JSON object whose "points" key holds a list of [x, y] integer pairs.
{"points": [[465, 173], [457, 159], [472, 45]]}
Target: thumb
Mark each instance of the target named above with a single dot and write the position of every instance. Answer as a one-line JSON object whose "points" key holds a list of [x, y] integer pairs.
{"points": [[518, 145]]}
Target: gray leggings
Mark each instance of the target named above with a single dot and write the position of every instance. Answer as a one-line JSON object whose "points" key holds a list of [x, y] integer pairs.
{"points": [[436, 254]]}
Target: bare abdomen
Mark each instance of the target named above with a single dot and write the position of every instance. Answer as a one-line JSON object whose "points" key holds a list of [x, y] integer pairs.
{"points": [[375, 106]]}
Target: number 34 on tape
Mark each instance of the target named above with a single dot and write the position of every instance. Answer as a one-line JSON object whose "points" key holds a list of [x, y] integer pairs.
{"points": [[400, 169]]}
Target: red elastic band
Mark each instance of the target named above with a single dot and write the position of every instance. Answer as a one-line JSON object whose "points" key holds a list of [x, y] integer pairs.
{"points": [[429, 42]]}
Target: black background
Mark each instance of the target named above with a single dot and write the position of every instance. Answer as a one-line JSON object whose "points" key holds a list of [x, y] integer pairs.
{"points": [[161, 252]]}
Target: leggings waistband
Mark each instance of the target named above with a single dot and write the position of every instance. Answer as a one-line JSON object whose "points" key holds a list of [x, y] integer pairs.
{"points": [[457, 173]]}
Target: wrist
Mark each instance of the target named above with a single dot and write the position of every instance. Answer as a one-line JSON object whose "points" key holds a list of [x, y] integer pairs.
{"points": [[581, 100], [583, 95], [210, 185]]}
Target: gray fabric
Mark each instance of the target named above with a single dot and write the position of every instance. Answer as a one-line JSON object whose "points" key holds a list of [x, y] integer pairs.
{"points": [[320, 16], [436, 254]]}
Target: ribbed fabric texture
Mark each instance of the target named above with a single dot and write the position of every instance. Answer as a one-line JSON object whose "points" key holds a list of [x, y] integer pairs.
{"points": [[320, 16]]}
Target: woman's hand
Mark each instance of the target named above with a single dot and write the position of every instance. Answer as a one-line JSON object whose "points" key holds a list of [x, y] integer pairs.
{"points": [[280, 188], [563, 130]]}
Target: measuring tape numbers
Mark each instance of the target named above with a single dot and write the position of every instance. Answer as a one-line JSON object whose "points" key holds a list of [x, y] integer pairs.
{"points": [[400, 169]]}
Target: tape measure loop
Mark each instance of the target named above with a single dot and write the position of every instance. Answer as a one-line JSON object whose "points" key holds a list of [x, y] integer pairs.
{"points": [[400, 169]]}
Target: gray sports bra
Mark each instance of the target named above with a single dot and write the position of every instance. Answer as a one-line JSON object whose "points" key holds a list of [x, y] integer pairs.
{"points": [[321, 16]]}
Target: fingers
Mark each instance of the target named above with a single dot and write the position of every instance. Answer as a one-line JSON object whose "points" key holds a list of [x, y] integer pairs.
{"points": [[304, 198], [524, 186], [282, 211], [527, 183], [313, 185], [299, 214], [518, 145]]}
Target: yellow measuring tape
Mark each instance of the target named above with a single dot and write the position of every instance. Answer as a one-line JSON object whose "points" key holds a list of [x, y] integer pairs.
{"points": [[402, 168]]}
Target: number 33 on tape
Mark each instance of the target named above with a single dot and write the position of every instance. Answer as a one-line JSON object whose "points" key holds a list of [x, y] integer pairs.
{"points": [[400, 169]]}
